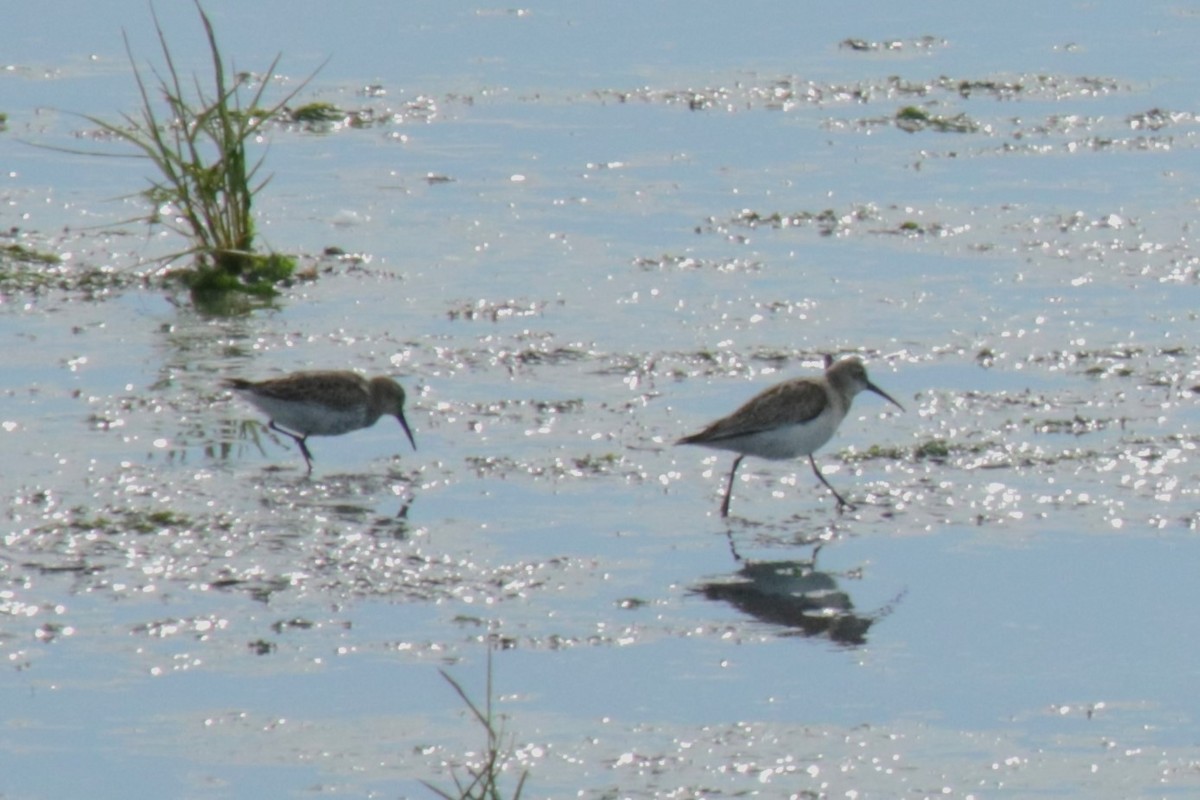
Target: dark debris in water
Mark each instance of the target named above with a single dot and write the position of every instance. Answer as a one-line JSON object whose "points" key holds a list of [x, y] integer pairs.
{"points": [[533, 411], [679, 262], [261, 647], [827, 222], [1156, 119], [556, 468], [526, 351], [296, 623], [1068, 236], [856, 219], [922, 43], [788, 93], [494, 311], [1075, 426]]}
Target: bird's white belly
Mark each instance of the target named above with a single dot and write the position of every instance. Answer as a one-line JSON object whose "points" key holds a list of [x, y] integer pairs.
{"points": [[315, 418], [789, 441]]}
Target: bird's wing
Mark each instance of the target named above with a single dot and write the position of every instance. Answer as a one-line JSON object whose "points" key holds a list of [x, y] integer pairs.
{"points": [[331, 388], [789, 403]]}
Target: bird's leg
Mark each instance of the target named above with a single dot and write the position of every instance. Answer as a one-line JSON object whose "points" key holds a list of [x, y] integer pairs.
{"points": [[729, 487], [841, 500], [308, 459]]}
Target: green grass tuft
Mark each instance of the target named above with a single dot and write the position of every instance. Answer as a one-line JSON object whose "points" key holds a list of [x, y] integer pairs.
{"points": [[205, 181]]}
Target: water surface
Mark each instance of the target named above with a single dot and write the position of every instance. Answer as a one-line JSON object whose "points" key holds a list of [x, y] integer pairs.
{"points": [[575, 235]]}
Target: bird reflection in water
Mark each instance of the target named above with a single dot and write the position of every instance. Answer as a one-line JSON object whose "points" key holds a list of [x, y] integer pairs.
{"points": [[794, 595]]}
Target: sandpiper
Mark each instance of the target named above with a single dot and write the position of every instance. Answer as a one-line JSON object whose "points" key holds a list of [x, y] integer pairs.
{"points": [[790, 419], [323, 403]]}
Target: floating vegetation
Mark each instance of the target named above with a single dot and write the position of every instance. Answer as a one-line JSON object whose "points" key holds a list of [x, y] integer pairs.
{"points": [[932, 450], [913, 119], [324, 117], [892, 220], [316, 112], [827, 222], [549, 356], [20, 254], [972, 455], [912, 229], [133, 520], [999, 89], [27, 270]]}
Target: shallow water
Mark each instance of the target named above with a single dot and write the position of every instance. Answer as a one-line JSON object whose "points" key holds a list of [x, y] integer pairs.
{"points": [[576, 235]]}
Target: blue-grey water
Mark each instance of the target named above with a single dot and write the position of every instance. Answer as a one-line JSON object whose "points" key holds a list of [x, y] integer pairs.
{"points": [[575, 234]]}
